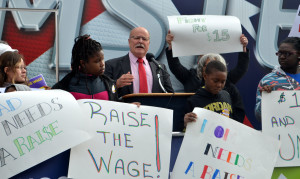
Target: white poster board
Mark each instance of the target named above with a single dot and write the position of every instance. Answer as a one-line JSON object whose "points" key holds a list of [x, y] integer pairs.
{"points": [[35, 126], [201, 34], [295, 31], [128, 142], [280, 119], [218, 147]]}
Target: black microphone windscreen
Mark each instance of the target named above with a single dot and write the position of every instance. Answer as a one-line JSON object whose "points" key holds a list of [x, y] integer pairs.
{"points": [[150, 56]]}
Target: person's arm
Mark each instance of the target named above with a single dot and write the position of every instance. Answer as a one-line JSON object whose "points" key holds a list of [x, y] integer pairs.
{"points": [[188, 117], [180, 72], [243, 63], [261, 87], [257, 109], [237, 103]]}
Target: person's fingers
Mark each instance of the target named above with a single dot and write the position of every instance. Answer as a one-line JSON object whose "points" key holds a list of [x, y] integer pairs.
{"points": [[127, 79], [138, 104], [189, 117], [272, 85], [267, 88], [244, 40]]}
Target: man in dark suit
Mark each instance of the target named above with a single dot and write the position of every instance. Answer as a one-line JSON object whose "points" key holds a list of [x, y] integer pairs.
{"points": [[133, 72]]}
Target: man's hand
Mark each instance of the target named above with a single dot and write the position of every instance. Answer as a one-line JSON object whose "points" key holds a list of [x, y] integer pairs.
{"points": [[124, 80]]}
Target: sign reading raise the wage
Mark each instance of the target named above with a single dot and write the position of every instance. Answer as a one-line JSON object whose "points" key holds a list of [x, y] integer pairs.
{"points": [[280, 119], [35, 126], [128, 142], [218, 147], [201, 34]]}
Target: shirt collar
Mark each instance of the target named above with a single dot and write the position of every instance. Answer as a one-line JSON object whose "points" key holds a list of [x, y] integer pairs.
{"points": [[133, 59]]}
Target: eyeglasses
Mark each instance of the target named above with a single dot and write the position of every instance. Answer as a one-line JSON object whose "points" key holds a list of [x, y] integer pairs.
{"points": [[285, 53], [21, 67], [140, 37]]}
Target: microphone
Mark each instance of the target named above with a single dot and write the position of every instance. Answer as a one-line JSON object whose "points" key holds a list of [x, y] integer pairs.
{"points": [[151, 58]]}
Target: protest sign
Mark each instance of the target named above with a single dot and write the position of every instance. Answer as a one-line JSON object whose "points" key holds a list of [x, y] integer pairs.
{"points": [[295, 31], [201, 34], [35, 126], [37, 82], [216, 146], [128, 142], [280, 114]]}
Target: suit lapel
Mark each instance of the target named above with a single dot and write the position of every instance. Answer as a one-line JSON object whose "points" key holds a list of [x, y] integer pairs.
{"points": [[154, 77]]}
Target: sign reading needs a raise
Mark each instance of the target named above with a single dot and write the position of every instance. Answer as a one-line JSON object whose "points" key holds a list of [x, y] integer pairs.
{"points": [[216, 146], [37, 129]]}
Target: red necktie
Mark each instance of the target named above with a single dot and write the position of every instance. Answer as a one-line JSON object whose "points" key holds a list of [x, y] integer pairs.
{"points": [[143, 77]]}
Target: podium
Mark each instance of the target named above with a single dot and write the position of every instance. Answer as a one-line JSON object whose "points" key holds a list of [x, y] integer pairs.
{"points": [[174, 101]]}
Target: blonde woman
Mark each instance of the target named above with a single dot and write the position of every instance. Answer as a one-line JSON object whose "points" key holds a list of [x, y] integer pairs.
{"points": [[12, 69]]}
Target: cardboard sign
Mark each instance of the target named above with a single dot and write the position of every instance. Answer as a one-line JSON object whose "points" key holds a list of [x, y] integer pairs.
{"points": [[216, 146], [35, 126], [37, 82], [128, 142], [295, 31], [202, 34], [280, 114]]}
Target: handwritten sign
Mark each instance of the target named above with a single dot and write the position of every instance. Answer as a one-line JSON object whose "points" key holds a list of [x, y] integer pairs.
{"points": [[128, 142], [201, 34], [280, 114], [295, 31], [218, 147], [35, 126]]}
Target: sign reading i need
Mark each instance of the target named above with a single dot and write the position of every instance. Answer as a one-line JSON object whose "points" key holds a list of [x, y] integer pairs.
{"points": [[216, 146]]}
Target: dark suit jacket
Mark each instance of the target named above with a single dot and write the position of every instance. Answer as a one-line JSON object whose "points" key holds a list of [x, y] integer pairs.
{"points": [[115, 68]]}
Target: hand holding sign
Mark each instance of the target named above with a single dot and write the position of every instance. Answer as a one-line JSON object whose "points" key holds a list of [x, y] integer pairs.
{"points": [[201, 34], [215, 146], [128, 142], [35, 126], [280, 111]]}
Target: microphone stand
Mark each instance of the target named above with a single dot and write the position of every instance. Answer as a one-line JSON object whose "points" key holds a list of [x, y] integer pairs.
{"points": [[159, 81], [151, 58]]}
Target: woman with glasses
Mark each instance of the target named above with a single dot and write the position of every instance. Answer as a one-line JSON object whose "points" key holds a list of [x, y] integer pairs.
{"points": [[283, 77], [12, 69]]}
